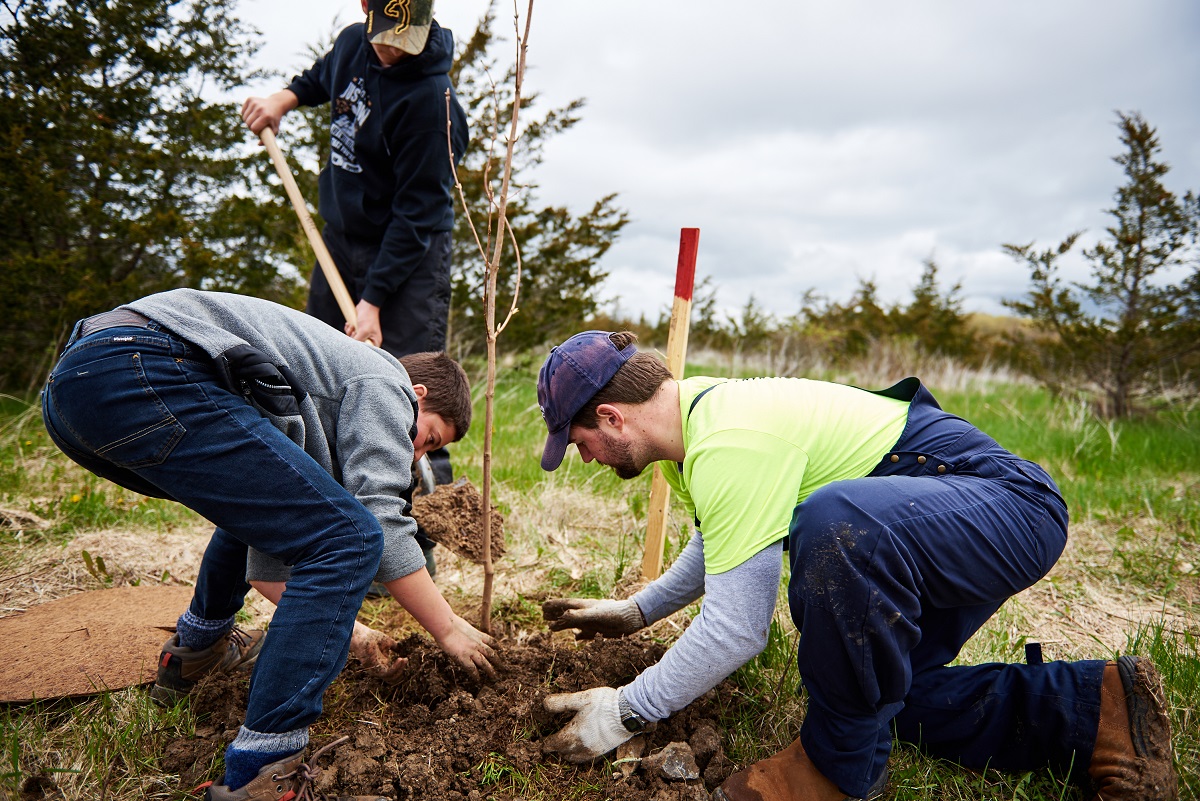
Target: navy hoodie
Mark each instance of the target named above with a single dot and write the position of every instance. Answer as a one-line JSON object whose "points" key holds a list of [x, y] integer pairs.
{"points": [[388, 179]]}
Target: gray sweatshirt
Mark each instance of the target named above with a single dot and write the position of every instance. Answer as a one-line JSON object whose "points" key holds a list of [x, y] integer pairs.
{"points": [[730, 630], [354, 421]]}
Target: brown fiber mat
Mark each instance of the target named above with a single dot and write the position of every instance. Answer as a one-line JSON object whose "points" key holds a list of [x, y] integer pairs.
{"points": [[87, 642]]}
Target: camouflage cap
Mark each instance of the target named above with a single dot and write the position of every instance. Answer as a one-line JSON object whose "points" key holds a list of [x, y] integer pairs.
{"points": [[403, 24]]}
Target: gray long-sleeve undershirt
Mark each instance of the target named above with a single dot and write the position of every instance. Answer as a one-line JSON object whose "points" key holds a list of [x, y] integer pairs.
{"points": [[730, 630]]}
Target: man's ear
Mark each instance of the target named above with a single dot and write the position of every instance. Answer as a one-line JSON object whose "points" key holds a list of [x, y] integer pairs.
{"points": [[420, 391], [610, 414]]}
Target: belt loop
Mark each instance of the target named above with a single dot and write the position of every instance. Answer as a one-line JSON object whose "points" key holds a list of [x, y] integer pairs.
{"points": [[75, 333]]}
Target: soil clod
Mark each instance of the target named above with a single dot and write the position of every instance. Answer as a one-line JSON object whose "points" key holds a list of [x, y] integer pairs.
{"points": [[452, 516]]}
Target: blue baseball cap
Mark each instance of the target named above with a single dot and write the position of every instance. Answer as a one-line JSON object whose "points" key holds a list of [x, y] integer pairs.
{"points": [[571, 376]]}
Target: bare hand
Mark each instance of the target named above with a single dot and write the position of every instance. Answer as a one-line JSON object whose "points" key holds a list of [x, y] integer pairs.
{"points": [[604, 617], [375, 650], [264, 112], [368, 328], [596, 728], [470, 647]]}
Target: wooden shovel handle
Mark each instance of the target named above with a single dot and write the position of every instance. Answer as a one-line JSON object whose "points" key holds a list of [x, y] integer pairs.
{"points": [[310, 228]]}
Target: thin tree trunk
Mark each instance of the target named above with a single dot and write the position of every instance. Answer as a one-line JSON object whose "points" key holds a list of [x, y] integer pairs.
{"points": [[499, 205], [485, 607]]}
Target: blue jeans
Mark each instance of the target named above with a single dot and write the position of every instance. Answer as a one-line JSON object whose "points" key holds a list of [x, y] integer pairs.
{"points": [[148, 411], [893, 573]]}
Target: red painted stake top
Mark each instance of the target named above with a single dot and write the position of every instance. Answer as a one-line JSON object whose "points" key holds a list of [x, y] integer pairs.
{"points": [[685, 270]]}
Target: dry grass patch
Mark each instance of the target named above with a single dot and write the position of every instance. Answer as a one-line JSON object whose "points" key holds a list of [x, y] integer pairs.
{"points": [[119, 557], [1086, 607]]}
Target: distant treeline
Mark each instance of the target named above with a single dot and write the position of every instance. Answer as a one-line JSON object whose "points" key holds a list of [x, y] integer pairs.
{"points": [[1126, 341]]}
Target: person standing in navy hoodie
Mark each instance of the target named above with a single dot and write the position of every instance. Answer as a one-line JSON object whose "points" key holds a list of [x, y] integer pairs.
{"points": [[386, 193]]}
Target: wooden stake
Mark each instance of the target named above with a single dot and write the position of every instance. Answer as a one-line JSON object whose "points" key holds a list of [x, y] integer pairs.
{"points": [[681, 315], [310, 228]]}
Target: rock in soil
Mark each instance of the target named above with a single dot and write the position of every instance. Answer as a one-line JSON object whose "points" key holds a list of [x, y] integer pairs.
{"points": [[439, 736], [675, 763], [452, 516]]}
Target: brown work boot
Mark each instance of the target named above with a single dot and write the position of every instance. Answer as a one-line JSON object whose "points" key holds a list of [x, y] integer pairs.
{"points": [[289, 778], [788, 776], [1132, 758], [179, 668]]}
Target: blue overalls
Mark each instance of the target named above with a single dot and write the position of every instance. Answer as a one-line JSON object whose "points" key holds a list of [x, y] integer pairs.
{"points": [[892, 573]]}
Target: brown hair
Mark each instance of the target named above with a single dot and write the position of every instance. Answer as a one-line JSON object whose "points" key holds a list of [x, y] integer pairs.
{"points": [[448, 392], [635, 381]]}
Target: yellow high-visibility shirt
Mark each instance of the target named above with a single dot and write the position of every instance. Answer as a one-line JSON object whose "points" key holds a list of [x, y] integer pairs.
{"points": [[756, 448]]}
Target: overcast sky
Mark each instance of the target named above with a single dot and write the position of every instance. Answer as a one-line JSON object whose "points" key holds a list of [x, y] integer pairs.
{"points": [[815, 144]]}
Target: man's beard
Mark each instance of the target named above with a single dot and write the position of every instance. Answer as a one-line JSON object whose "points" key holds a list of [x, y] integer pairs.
{"points": [[621, 455]]}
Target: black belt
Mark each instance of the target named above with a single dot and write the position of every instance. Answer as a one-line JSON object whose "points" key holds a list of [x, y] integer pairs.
{"points": [[113, 319]]}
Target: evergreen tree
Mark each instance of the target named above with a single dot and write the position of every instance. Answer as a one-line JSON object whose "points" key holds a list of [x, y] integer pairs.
{"points": [[933, 320], [1134, 323], [707, 330], [754, 328], [847, 329], [304, 139], [117, 175]]}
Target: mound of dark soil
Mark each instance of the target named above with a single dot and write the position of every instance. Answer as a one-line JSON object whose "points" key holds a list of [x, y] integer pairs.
{"points": [[438, 736], [452, 516]]}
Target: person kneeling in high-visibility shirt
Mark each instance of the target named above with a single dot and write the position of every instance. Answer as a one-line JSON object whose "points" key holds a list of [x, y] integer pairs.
{"points": [[905, 528]]}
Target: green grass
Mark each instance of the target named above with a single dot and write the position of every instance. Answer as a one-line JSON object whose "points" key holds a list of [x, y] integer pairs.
{"points": [[1106, 469], [111, 741], [1133, 487]]}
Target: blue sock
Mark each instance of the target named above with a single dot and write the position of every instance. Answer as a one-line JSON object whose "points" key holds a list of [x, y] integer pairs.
{"points": [[251, 751], [197, 633]]}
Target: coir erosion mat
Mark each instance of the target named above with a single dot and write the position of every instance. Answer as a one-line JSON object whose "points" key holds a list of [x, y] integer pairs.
{"points": [[88, 642]]}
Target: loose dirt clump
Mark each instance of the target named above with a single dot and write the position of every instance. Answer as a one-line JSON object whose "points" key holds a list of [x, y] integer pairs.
{"points": [[439, 736], [452, 515]]}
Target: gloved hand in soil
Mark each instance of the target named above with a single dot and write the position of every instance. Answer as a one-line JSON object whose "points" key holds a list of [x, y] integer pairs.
{"points": [[376, 651], [592, 617], [470, 647], [596, 728]]}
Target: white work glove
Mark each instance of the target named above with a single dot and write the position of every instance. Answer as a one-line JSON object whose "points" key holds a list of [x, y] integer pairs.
{"points": [[596, 728], [592, 617]]}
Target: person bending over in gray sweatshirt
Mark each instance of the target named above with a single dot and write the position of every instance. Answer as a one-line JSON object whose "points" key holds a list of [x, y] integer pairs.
{"points": [[297, 443]]}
